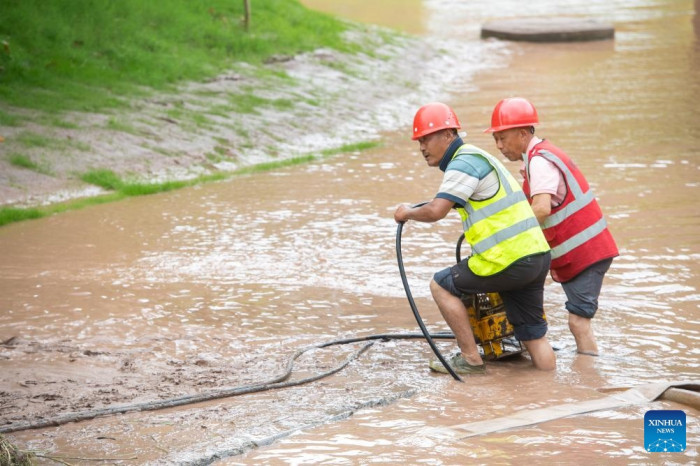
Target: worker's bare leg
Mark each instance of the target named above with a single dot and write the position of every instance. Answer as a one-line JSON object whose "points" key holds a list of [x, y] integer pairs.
{"points": [[582, 331], [457, 318], [582, 303], [542, 354]]}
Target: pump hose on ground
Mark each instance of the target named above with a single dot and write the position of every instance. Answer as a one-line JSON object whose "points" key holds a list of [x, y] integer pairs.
{"points": [[412, 303], [278, 382]]}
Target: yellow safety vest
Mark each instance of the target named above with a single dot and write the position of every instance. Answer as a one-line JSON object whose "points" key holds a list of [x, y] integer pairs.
{"points": [[503, 228]]}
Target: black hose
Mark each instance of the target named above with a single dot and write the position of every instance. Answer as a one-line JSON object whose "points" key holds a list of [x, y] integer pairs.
{"points": [[275, 383], [458, 250], [412, 303]]}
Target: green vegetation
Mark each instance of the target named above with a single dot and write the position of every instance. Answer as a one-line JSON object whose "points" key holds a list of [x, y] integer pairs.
{"points": [[119, 125], [11, 455], [248, 102], [12, 214], [30, 139], [19, 160], [110, 181], [360, 146], [90, 55], [52, 120], [105, 179], [33, 140], [24, 161], [6, 119]]}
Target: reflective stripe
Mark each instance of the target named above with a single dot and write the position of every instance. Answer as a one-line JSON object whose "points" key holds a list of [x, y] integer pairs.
{"points": [[491, 209], [581, 199], [570, 209], [506, 217], [502, 175], [573, 183], [511, 197], [579, 238], [504, 234]]}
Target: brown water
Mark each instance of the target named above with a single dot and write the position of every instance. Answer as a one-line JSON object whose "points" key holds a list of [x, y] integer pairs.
{"points": [[217, 285]]}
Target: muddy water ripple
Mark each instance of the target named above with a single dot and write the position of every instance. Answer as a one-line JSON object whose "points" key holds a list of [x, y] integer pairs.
{"points": [[212, 286]]}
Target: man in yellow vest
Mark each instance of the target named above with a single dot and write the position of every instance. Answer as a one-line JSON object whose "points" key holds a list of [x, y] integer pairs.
{"points": [[509, 253]]}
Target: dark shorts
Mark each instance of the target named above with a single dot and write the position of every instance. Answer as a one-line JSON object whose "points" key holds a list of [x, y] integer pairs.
{"points": [[521, 286], [583, 290]]}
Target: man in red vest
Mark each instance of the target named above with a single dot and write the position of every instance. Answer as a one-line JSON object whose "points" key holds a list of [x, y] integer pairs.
{"points": [[572, 222]]}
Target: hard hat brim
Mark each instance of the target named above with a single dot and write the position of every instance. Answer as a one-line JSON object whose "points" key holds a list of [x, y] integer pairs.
{"points": [[496, 129]]}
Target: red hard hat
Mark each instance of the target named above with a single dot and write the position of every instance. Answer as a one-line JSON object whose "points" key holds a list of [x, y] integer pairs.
{"points": [[433, 117], [514, 112]]}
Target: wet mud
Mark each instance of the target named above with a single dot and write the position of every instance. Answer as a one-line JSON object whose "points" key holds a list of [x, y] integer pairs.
{"points": [[217, 286]]}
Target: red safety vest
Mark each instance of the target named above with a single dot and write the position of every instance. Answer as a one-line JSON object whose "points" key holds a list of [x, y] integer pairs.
{"points": [[575, 230]]}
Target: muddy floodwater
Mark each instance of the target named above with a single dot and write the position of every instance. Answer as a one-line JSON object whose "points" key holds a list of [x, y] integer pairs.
{"points": [[217, 286]]}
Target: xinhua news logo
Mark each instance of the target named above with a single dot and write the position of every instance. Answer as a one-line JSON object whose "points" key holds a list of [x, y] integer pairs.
{"points": [[664, 431]]}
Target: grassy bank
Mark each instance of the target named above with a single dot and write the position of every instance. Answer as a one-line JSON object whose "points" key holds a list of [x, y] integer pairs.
{"points": [[119, 189], [97, 56], [58, 55]]}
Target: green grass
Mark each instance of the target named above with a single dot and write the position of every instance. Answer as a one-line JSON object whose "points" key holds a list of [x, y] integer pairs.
{"points": [[35, 140], [110, 181], [360, 146], [105, 179], [247, 102], [60, 56], [31, 139], [7, 119], [52, 120], [20, 160], [119, 125], [94, 54], [12, 214], [267, 166], [24, 161]]}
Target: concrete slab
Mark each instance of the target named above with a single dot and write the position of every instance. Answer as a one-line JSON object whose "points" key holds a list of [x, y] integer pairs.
{"points": [[548, 29]]}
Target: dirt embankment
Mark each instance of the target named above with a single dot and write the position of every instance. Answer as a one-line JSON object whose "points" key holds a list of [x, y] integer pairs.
{"points": [[289, 106]]}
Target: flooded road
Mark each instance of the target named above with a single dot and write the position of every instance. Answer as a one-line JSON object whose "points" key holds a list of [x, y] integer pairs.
{"points": [[218, 285]]}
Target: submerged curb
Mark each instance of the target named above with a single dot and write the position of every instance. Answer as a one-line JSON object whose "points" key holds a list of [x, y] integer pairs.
{"points": [[549, 29]]}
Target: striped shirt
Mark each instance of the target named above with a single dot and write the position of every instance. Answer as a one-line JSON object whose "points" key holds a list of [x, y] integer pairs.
{"points": [[468, 176]]}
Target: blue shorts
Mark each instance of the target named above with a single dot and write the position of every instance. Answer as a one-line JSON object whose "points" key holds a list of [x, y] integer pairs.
{"points": [[583, 290], [521, 286]]}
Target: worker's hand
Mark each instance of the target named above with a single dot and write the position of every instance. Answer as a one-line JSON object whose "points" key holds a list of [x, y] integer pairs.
{"points": [[401, 214]]}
